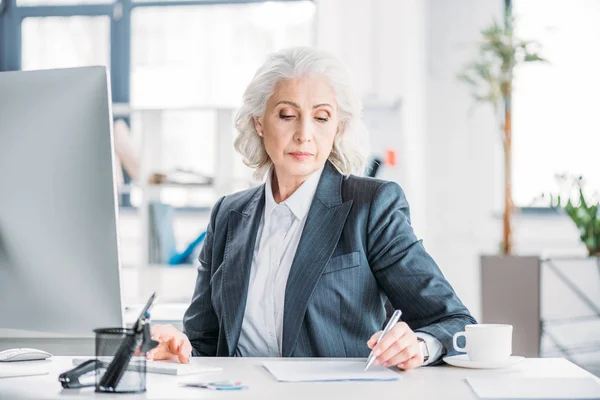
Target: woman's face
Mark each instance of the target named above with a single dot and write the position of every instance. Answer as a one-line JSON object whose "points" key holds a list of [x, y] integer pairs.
{"points": [[299, 126]]}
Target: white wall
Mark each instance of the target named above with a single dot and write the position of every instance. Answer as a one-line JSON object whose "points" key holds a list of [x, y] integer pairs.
{"points": [[382, 43], [463, 152]]}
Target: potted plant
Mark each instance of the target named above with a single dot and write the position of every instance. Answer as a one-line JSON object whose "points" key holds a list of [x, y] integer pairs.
{"points": [[509, 285], [574, 275], [490, 78], [585, 213]]}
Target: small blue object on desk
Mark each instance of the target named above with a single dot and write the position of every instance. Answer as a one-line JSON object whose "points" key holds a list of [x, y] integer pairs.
{"points": [[220, 385]]}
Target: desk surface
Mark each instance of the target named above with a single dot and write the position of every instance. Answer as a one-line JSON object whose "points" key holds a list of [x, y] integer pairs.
{"points": [[440, 382]]}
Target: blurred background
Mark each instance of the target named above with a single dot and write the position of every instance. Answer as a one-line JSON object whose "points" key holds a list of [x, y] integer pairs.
{"points": [[178, 70]]}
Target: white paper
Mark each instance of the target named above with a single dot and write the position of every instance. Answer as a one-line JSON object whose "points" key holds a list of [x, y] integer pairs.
{"points": [[535, 388], [10, 370], [328, 371]]}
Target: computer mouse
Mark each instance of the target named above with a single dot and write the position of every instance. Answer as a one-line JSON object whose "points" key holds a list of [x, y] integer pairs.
{"points": [[23, 355]]}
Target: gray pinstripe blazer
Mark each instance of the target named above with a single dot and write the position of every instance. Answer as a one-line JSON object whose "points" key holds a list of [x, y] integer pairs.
{"points": [[356, 251]]}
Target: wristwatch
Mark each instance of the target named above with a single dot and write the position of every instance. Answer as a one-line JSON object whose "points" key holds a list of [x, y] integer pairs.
{"points": [[424, 350]]}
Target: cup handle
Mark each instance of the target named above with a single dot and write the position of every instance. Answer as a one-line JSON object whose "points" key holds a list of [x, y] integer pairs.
{"points": [[455, 342]]}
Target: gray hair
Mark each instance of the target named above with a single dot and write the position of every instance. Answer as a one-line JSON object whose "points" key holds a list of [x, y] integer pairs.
{"points": [[350, 147]]}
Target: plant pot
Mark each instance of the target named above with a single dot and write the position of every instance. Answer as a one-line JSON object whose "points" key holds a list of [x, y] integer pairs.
{"points": [[510, 294], [571, 310]]}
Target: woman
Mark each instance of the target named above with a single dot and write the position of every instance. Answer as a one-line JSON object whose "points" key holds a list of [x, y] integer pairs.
{"points": [[304, 264]]}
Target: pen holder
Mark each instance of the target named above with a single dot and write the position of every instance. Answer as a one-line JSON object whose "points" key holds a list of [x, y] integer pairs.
{"points": [[133, 375]]}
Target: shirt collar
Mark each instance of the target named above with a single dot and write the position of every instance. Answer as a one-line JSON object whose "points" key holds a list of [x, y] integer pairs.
{"points": [[299, 202]]}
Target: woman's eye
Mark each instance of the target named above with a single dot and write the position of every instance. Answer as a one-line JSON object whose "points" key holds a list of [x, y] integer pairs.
{"points": [[286, 116], [322, 119]]}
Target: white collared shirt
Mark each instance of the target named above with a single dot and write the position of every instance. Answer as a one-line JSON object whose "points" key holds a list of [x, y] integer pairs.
{"points": [[277, 240]]}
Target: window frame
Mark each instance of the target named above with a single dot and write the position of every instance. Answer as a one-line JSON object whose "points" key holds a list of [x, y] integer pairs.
{"points": [[119, 12]]}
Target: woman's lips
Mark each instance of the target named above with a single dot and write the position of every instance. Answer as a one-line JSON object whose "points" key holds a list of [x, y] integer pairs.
{"points": [[301, 156]]}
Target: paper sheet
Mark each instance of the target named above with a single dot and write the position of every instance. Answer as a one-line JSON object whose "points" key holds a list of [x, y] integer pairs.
{"points": [[535, 388], [328, 371], [10, 370]]}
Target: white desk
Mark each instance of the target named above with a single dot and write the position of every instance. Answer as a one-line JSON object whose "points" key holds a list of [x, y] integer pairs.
{"points": [[441, 382]]}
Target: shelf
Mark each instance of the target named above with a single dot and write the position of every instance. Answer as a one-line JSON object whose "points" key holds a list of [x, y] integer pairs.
{"points": [[163, 267], [180, 185], [126, 188], [169, 266]]}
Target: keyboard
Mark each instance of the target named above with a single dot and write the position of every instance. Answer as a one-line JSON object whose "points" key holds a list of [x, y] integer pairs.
{"points": [[168, 367]]}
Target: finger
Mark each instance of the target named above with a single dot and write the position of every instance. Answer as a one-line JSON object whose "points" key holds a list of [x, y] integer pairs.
{"points": [[405, 355], [183, 357], [390, 338], [401, 347], [414, 362], [150, 353], [169, 342], [186, 351], [178, 348], [161, 352], [176, 345], [373, 340]]}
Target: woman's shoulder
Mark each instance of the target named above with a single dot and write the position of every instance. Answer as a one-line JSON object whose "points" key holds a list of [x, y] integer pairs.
{"points": [[239, 200], [373, 194], [364, 186]]}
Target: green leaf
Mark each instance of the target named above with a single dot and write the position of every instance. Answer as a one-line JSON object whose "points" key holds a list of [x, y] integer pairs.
{"points": [[464, 77], [529, 57], [490, 75], [582, 199]]}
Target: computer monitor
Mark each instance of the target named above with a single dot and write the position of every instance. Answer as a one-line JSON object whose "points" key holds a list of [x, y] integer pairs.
{"points": [[59, 264]]}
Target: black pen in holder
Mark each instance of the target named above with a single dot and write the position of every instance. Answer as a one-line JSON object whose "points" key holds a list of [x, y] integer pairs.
{"points": [[120, 372], [120, 364]]}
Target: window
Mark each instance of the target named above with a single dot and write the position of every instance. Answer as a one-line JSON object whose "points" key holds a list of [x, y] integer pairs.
{"points": [[556, 106], [55, 42], [206, 55], [60, 2]]}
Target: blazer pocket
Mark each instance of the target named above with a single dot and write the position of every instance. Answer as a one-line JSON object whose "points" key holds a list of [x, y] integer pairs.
{"points": [[344, 261]]}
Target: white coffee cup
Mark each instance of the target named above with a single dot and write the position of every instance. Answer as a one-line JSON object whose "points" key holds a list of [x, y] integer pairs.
{"points": [[486, 342]]}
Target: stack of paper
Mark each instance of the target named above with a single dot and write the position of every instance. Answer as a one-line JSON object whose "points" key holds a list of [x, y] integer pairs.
{"points": [[327, 371], [16, 369], [535, 388]]}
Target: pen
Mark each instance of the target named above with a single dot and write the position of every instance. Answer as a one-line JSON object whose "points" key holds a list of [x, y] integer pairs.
{"points": [[393, 321]]}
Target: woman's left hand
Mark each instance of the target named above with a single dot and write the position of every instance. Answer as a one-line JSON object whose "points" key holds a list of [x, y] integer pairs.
{"points": [[399, 347]]}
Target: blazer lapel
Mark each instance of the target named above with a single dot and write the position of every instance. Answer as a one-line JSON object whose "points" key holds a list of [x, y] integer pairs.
{"points": [[324, 224], [239, 250]]}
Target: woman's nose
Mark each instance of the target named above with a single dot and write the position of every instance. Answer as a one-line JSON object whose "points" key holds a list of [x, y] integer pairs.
{"points": [[304, 130]]}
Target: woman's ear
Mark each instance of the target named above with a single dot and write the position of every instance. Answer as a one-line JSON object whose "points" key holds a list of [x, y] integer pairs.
{"points": [[258, 125]]}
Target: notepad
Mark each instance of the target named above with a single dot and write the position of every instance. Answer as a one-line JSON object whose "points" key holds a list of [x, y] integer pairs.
{"points": [[535, 388], [165, 367], [328, 371]]}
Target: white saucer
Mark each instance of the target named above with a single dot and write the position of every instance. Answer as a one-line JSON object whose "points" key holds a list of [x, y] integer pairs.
{"points": [[462, 360]]}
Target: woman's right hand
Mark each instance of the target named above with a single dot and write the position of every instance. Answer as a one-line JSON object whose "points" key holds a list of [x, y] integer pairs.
{"points": [[171, 343]]}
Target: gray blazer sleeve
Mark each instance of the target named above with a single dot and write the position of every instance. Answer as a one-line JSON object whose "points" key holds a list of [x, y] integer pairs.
{"points": [[406, 272], [200, 322]]}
